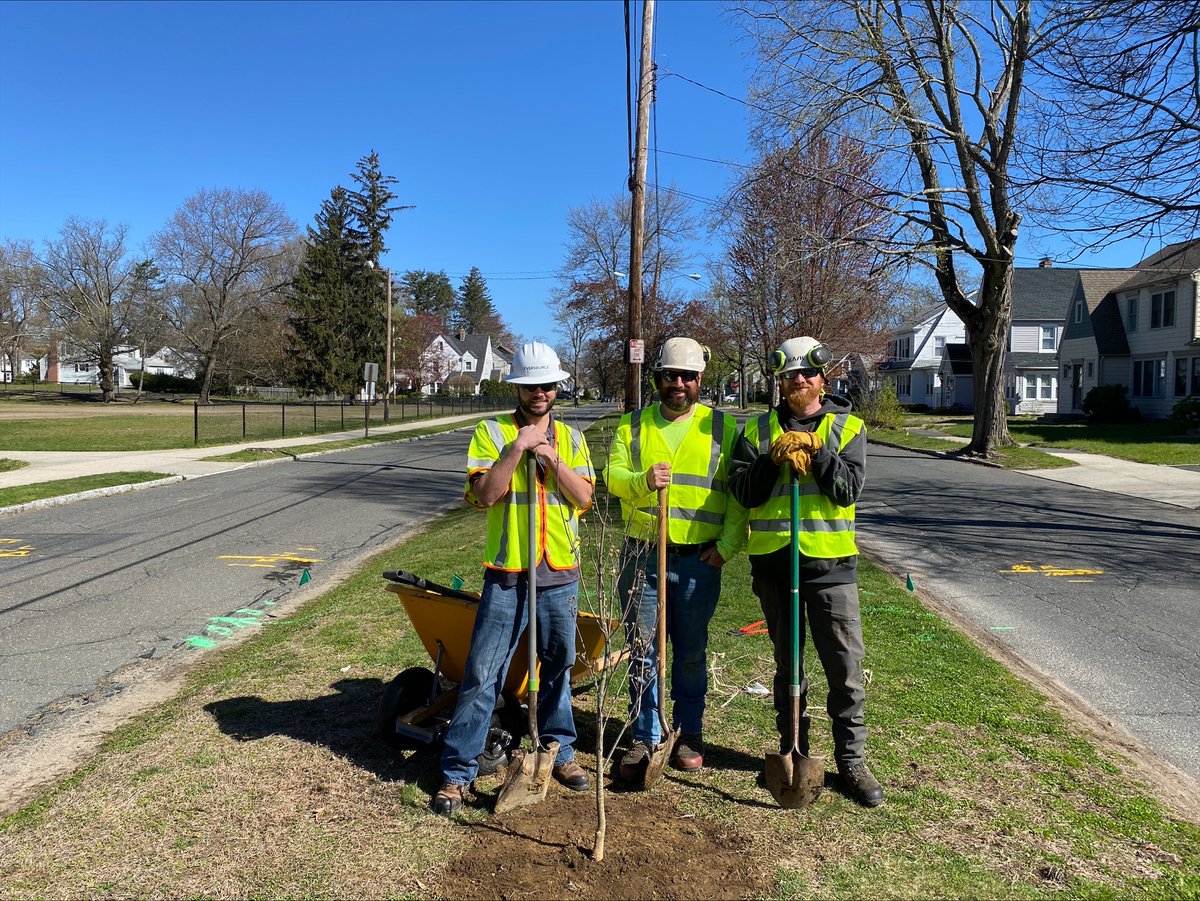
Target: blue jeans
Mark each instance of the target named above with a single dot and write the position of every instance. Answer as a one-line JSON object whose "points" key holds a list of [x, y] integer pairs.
{"points": [[693, 588], [499, 627]]}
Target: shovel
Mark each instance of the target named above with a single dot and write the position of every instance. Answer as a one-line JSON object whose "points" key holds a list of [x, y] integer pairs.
{"points": [[660, 754], [530, 771], [793, 779]]}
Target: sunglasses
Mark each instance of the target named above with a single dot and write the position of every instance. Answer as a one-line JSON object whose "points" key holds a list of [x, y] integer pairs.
{"points": [[808, 372], [669, 375], [548, 387]]}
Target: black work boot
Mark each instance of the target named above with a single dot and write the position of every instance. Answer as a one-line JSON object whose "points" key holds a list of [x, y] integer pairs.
{"points": [[634, 763], [449, 799], [861, 785]]}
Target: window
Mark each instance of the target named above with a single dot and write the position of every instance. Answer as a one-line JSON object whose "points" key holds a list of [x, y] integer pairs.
{"points": [[1162, 310], [1195, 375], [1131, 317], [1091, 368], [83, 367], [939, 346], [904, 386], [1181, 378], [1048, 337], [1039, 386], [1066, 370], [468, 365], [1079, 311], [1046, 385], [1149, 378]]}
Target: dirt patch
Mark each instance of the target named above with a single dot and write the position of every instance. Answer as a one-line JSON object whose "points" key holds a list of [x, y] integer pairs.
{"points": [[652, 851]]}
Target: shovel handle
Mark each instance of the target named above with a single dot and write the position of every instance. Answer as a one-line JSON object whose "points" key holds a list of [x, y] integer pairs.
{"points": [[531, 629], [794, 685], [660, 637]]}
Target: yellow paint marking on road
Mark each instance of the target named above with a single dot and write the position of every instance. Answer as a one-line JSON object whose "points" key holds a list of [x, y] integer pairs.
{"points": [[254, 565], [1049, 569], [12, 547], [269, 560]]}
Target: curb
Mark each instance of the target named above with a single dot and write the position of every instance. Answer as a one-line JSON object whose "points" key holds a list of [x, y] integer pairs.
{"points": [[945, 455]]}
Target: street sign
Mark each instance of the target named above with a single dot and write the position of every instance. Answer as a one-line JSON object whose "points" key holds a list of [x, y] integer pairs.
{"points": [[637, 350], [370, 372]]}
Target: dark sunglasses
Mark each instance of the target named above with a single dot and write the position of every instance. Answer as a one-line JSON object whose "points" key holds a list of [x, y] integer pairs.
{"points": [[669, 375], [808, 372], [548, 387]]}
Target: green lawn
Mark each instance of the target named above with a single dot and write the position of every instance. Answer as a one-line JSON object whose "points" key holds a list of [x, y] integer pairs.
{"points": [[24, 494]]}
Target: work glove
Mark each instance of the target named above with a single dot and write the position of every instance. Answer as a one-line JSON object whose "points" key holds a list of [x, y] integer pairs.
{"points": [[795, 449]]}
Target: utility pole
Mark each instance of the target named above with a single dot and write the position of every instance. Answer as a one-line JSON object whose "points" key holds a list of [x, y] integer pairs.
{"points": [[387, 365], [637, 187]]}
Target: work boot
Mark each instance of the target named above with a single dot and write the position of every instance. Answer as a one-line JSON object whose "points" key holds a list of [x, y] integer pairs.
{"points": [[689, 752], [449, 799], [862, 786], [573, 776], [634, 763]]}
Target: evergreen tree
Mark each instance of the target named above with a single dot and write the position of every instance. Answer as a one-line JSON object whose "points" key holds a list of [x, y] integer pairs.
{"points": [[430, 293], [330, 285], [371, 207], [476, 313]]}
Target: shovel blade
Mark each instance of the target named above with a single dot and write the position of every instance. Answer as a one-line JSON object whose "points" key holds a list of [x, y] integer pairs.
{"points": [[528, 778], [794, 780], [660, 756]]}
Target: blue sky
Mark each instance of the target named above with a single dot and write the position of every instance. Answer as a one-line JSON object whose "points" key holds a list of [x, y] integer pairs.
{"points": [[496, 118]]}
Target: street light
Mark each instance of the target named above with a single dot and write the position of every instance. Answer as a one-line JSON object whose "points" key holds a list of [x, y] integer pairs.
{"points": [[387, 353]]}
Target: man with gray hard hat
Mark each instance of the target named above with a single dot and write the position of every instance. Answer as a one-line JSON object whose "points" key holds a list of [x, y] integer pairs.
{"points": [[682, 447], [815, 435], [498, 483]]}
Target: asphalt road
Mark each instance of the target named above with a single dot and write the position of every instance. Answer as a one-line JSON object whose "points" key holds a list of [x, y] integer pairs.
{"points": [[1100, 591], [90, 587]]}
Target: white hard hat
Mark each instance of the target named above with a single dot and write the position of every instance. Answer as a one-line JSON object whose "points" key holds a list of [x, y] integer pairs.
{"points": [[682, 353], [798, 353], [536, 364]]}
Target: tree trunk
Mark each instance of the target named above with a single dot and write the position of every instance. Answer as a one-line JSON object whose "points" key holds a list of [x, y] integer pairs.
{"points": [[988, 337], [210, 368], [107, 388]]}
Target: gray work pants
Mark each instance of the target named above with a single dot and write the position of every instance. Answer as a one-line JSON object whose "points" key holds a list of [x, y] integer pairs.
{"points": [[832, 615]]}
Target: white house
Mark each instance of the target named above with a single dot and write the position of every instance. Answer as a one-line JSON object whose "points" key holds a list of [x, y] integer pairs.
{"points": [[915, 354], [461, 361], [71, 367]]}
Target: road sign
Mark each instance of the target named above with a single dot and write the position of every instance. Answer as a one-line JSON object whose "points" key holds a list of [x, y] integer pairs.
{"points": [[370, 372], [637, 350]]}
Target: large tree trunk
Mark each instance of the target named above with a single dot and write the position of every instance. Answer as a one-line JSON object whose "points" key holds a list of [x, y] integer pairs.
{"points": [[107, 386], [210, 368], [988, 336]]}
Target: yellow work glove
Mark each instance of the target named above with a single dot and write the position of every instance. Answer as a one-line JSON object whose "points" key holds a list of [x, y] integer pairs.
{"points": [[795, 449]]}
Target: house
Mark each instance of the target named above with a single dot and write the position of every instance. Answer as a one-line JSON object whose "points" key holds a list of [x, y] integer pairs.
{"points": [[915, 353], [1093, 350], [1143, 333], [460, 362], [72, 367], [1040, 299]]}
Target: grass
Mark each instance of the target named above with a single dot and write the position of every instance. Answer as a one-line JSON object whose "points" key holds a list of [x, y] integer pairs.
{"points": [[263, 777], [10, 465], [24, 494], [250, 455]]}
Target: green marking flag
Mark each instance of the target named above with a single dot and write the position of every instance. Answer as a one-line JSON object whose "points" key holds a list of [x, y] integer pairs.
{"points": [[908, 582], [305, 578]]}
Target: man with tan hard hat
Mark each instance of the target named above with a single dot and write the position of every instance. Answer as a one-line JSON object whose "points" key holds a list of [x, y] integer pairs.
{"points": [[682, 447], [499, 483], [815, 435]]}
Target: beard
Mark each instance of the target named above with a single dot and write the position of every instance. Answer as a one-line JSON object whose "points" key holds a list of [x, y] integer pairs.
{"points": [[680, 399], [804, 397], [535, 407]]}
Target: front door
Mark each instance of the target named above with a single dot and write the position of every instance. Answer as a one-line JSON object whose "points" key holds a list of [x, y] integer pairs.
{"points": [[1077, 387]]}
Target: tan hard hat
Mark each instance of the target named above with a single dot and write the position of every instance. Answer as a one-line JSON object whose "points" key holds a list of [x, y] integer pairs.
{"points": [[682, 353]]}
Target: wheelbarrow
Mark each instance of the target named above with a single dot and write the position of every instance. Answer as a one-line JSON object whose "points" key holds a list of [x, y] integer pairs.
{"points": [[417, 705]]}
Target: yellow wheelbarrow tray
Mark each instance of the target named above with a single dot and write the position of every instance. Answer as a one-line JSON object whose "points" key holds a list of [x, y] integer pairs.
{"points": [[417, 704]]}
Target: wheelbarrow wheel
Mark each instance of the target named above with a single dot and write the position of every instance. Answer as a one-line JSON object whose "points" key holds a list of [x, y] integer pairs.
{"points": [[408, 691]]}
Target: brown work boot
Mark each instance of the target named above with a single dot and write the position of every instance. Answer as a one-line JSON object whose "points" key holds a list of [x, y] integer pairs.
{"points": [[634, 763], [689, 752], [449, 799], [861, 785], [573, 776]]}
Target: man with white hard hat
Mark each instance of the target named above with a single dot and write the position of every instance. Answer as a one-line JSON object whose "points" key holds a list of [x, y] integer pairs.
{"points": [[813, 434], [498, 482], [683, 447]]}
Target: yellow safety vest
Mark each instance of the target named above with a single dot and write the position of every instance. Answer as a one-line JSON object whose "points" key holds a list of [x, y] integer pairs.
{"points": [[696, 498], [826, 529], [508, 518]]}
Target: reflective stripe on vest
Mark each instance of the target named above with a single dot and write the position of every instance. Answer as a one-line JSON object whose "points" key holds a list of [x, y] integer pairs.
{"points": [[696, 497], [826, 529], [508, 518]]}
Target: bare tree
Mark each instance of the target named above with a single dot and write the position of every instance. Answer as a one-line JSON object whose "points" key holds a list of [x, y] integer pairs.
{"points": [[804, 256], [935, 88], [19, 276], [217, 254], [1117, 131], [88, 287]]}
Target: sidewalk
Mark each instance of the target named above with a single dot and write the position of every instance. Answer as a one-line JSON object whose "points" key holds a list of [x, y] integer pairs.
{"points": [[187, 462], [1166, 484]]}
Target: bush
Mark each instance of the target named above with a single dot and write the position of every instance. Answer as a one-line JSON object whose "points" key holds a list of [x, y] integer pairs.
{"points": [[1108, 404], [881, 408], [490, 388], [161, 382], [1187, 412]]}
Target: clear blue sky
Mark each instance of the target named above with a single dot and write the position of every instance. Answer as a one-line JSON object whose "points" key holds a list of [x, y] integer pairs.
{"points": [[495, 117]]}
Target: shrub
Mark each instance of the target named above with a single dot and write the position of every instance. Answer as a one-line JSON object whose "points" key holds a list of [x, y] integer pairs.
{"points": [[881, 408], [490, 388], [1187, 412], [161, 381], [1109, 403]]}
